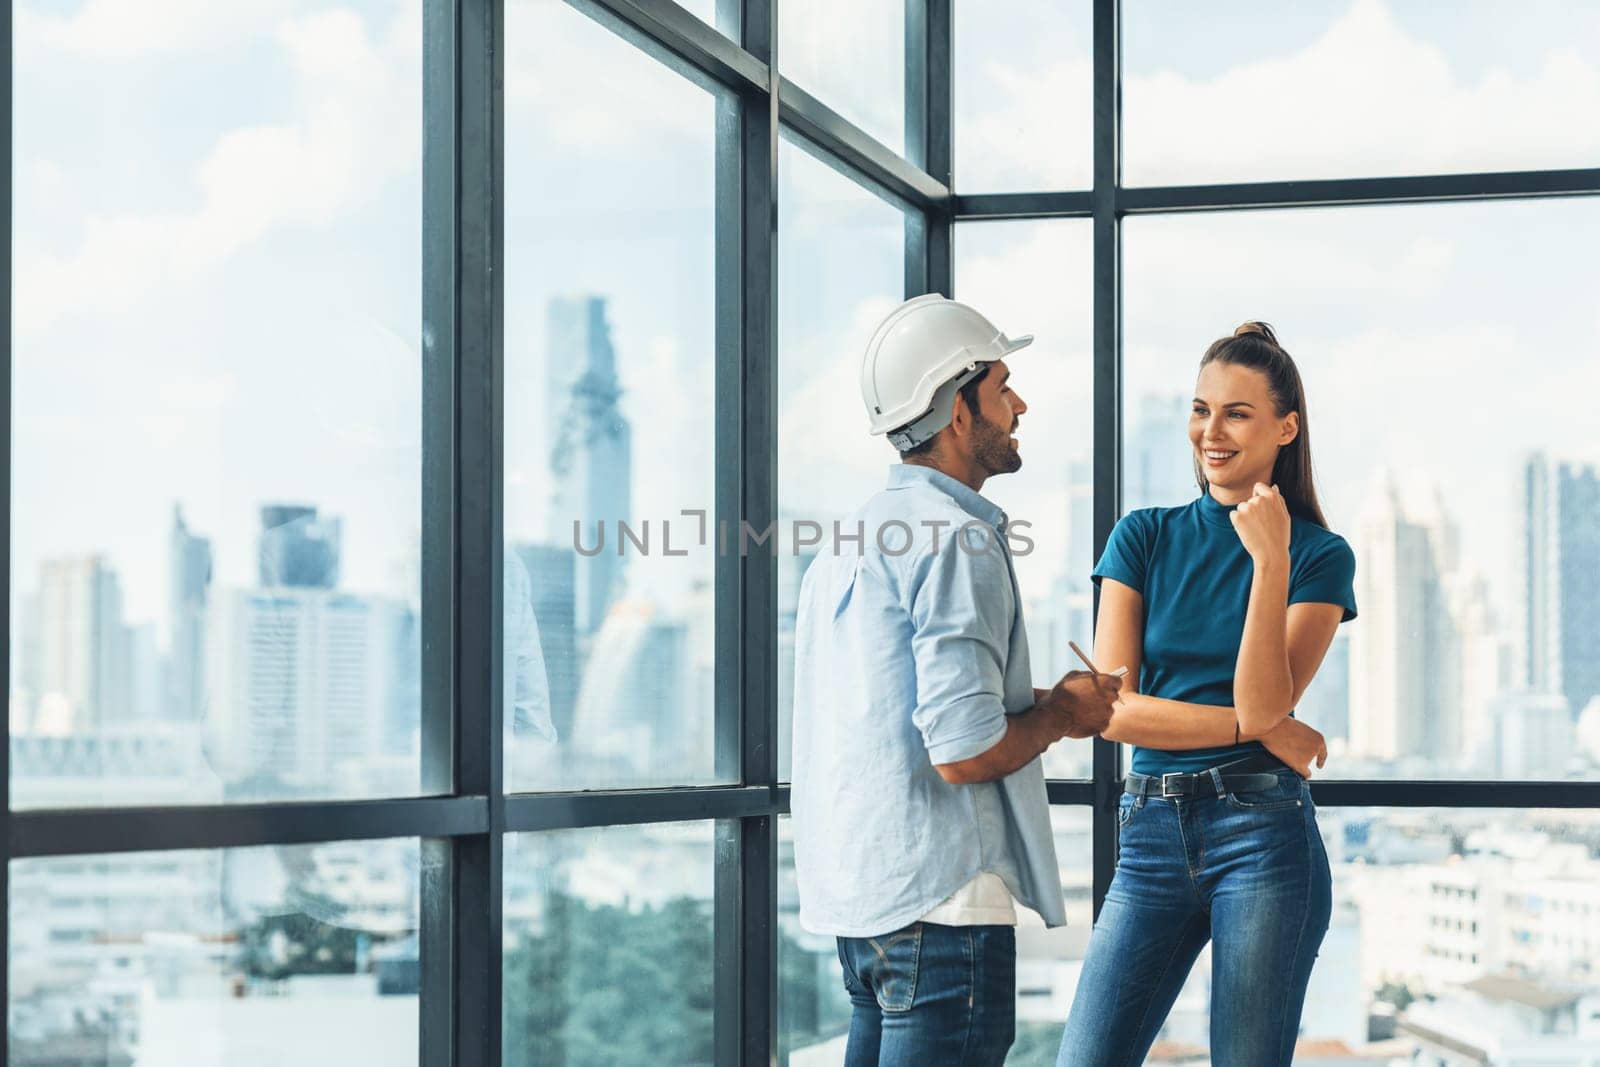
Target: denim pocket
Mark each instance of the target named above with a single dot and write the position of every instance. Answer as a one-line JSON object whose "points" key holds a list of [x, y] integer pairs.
{"points": [[1126, 806], [1289, 792], [894, 970]]}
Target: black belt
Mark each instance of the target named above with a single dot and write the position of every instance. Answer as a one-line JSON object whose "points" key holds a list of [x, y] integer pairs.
{"points": [[1248, 775]]}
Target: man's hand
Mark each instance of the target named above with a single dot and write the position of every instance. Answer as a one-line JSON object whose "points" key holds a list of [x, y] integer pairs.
{"points": [[1080, 704], [1298, 745]]}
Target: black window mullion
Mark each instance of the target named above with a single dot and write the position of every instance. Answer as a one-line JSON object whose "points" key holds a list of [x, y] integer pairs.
{"points": [[929, 265], [745, 906], [1107, 383], [462, 875], [5, 509], [732, 169], [755, 849]]}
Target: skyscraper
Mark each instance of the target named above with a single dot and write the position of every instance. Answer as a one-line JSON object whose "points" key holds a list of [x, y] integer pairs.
{"points": [[1404, 678], [300, 678], [81, 674], [1534, 735], [188, 586], [1558, 579], [1326, 703], [297, 549], [631, 719], [1159, 469], [590, 448]]}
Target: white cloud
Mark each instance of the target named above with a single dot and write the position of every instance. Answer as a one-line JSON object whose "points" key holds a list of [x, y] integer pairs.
{"points": [[358, 107], [849, 55], [123, 29], [1365, 98], [1023, 131], [828, 463], [574, 87]]}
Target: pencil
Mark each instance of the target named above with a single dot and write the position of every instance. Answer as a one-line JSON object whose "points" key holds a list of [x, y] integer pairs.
{"points": [[1087, 662]]}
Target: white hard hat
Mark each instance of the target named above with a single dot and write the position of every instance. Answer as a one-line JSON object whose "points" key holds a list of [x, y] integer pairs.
{"points": [[920, 355]]}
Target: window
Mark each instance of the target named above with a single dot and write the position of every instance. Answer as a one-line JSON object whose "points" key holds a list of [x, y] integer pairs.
{"points": [[1397, 953], [1032, 278], [1024, 118], [284, 954], [609, 953], [1264, 92], [328, 322], [840, 270], [850, 56], [610, 395], [216, 506], [1468, 491]]}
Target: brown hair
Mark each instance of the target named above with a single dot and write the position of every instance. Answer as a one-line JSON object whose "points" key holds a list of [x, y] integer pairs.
{"points": [[1254, 345], [969, 393]]}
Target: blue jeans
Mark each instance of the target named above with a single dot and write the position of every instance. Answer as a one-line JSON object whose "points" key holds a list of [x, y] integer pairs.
{"points": [[1246, 872], [930, 994]]}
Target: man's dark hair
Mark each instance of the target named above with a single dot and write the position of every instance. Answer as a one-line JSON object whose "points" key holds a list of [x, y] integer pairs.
{"points": [[969, 393]]}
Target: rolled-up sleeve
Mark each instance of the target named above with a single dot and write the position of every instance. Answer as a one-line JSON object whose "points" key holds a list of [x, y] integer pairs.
{"points": [[961, 615]]}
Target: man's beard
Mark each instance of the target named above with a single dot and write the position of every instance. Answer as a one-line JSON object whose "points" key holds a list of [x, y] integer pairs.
{"points": [[991, 447]]}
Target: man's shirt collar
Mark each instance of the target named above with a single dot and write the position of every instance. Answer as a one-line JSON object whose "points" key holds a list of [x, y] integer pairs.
{"points": [[906, 475]]}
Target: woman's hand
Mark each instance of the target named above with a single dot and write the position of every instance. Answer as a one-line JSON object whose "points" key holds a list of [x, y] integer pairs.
{"points": [[1262, 523], [1298, 745]]}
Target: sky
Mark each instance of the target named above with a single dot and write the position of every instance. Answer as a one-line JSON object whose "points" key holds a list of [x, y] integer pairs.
{"points": [[217, 251]]}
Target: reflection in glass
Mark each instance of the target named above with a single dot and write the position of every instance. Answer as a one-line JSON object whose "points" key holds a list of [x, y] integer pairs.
{"points": [[609, 301], [1024, 96], [258, 956], [852, 57], [1454, 450], [216, 502], [1034, 277], [1354, 89], [608, 946], [840, 270]]}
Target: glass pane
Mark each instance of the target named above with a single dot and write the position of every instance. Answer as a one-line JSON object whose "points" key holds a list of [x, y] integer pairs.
{"points": [[1049, 961], [609, 308], [1448, 354], [216, 505], [247, 957], [708, 11], [852, 57], [608, 946], [813, 1008], [1024, 96], [814, 1011], [840, 270], [1253, 91], [1458, 936], [1035, 277]]}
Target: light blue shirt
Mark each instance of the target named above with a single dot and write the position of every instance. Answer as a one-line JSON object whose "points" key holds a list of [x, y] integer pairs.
{"points": [[904, 661]]}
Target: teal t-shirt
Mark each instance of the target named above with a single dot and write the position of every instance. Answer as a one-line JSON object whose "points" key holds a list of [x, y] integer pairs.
{"points": [[1194, 575]]}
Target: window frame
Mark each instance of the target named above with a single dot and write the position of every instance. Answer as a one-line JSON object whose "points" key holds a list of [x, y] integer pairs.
{"points": [[462, 825]]}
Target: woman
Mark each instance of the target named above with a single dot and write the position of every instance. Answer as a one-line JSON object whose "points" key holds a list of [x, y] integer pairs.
{"points": [[1222, 610]]}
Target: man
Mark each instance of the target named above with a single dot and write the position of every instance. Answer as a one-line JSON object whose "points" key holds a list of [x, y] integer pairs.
{"points": [[919, 804]]}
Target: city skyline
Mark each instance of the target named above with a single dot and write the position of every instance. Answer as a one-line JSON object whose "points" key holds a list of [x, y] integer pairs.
{"points": [[219, 304]]}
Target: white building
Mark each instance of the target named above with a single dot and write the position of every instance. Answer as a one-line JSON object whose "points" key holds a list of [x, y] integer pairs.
{"points": [[1557, 577], [1404, 698], [1533, 736], [76, 648], [1506, 1021], [301, 680]]}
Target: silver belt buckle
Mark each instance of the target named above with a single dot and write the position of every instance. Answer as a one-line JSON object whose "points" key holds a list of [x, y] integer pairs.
{"points": [[1167, 791]]}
